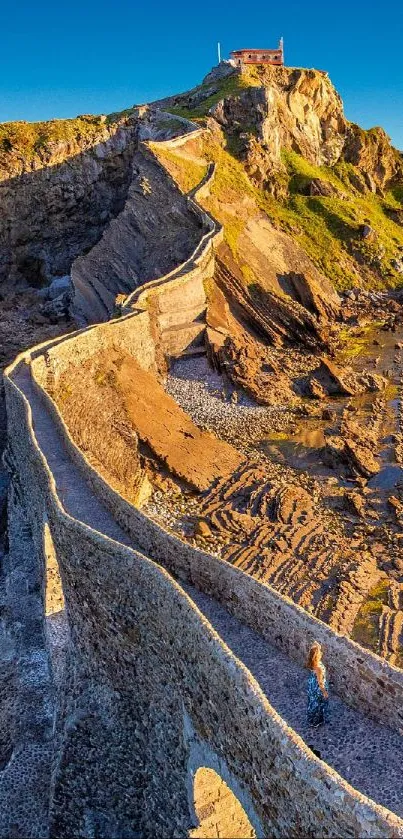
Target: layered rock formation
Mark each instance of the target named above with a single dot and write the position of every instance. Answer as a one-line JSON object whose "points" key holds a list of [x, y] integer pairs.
{"points": [[56, 200], [67, 186], [153, 233]]}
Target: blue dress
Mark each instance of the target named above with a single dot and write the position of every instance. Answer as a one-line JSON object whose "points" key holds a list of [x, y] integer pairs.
{"points": [[317, 709]]}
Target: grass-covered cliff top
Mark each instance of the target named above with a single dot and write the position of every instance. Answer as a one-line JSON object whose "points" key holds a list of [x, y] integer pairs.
{"points": [[229, 86], [23, 144], [28, 138], [327, 228]]}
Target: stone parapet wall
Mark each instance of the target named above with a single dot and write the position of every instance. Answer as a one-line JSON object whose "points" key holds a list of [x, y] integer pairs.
{"points": [[132, 334], [146, 649], [177, 300]]}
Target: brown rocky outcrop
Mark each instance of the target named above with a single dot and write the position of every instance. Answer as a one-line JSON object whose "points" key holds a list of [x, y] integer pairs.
{"points": [[374, 156], [274, 531], [395, 214], [298, 109], [244, 362], [292, 108], [244, 359], [360, 452], [357, 445], [153, 233], [279, 317], [91, 203], [333, 380], [56, 203], [317, 186], [329, 379]]}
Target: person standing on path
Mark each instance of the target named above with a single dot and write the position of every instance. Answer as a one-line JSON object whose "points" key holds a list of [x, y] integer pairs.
{"points": [[317, 687]]}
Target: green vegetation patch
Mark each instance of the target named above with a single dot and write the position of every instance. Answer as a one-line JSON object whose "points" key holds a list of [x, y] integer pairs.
{"points": [[328, 228], [366, 625], [28, 139], [186, 172], [230, 86]]}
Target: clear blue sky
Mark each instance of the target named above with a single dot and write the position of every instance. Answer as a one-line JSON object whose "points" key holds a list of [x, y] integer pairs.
{"points": [[60, 59]]}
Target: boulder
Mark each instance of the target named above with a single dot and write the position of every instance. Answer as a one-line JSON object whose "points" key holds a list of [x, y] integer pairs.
{"points": [[359, 444], [201, 95], [333, 379], [397, 264], [59, 308], [317, 186], [203, 528], [59, 285], [329, 415], [221, 71], [356, 502], [366, 231], [316, 390], [396, 214], [361, 457], [370, 382]]}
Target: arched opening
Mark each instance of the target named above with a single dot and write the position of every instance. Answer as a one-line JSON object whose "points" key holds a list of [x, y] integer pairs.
{"points": [[54, 599], [57, 629], [218, 810]]}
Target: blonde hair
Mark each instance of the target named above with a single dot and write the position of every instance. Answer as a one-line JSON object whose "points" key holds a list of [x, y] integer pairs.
{"points": [[314, 656]]}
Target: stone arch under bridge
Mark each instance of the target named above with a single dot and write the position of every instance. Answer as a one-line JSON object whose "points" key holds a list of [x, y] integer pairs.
{"points": [[218, 810], [219, 805]]}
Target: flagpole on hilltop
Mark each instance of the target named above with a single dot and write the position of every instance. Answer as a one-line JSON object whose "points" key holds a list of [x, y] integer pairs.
{"points": [[219, 52]]}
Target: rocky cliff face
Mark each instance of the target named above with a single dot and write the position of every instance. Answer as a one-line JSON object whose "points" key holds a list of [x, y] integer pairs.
{"points": [[297, 109], [58, 195], [153, 233], [378, 163], [300, 110], [78, 196]]}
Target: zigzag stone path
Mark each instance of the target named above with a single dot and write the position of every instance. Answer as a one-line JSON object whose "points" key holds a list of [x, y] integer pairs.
{"points": [[368, 755]]}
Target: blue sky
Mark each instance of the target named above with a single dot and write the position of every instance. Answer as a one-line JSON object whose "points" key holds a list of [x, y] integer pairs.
{"points": [[62, 59]]}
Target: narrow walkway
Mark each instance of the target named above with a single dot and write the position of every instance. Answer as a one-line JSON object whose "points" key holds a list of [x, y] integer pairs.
{"points": [[74, 492], [366, 754]]}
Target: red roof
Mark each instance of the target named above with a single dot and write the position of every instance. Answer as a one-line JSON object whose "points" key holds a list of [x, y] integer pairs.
{"points": [[241, 52]]}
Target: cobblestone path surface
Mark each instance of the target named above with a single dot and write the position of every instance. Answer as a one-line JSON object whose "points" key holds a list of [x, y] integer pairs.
{"points": [[365, 753]]}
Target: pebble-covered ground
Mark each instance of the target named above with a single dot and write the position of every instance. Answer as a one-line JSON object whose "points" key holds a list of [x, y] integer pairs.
{"points": [[215, 403]]}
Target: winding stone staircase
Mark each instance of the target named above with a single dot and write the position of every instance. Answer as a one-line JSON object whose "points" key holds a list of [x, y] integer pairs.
{"points": [[236, 698]]}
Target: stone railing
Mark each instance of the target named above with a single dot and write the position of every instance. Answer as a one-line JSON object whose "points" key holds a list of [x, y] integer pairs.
{"points": [[176, 302], [211, 238]]}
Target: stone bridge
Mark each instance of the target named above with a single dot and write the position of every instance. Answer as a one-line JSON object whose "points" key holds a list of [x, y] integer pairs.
{"points": [[166, 662]]}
